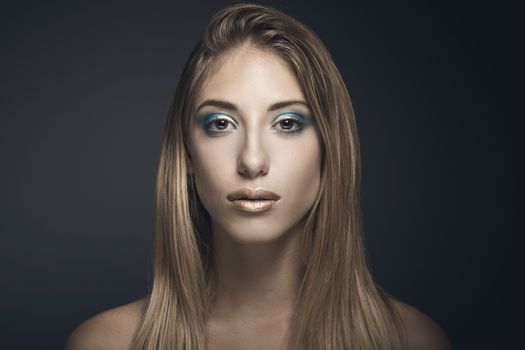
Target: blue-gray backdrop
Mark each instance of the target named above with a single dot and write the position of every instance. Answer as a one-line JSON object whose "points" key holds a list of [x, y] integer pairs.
{"points": [[85, 88]]}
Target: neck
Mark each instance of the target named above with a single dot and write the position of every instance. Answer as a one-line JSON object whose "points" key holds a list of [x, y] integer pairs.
{"points": [[256, 280]]}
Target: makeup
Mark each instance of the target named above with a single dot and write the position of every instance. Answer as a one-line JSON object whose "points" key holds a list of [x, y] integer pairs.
{"points": [[253, 205], [253, 201], [210, 123], [293, 118], [254, 148], [219, 122]]}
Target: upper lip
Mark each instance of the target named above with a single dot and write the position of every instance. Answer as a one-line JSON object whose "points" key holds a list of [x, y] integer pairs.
{"points": [[258, 193]]}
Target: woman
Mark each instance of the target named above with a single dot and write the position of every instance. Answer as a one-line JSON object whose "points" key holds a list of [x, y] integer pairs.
{"points": [[258, 236]]}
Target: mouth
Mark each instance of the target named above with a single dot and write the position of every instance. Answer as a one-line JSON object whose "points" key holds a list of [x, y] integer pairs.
{"points": [[253, 201]]}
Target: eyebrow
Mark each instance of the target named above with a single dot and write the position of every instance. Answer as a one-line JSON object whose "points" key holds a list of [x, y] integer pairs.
{"points": [[230, 106]]}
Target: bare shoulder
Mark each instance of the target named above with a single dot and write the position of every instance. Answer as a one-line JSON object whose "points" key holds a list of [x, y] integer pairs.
{"points": [[111, 329], [423, 333]]}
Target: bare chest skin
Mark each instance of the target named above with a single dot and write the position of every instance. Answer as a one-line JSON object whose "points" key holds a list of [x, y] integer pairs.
{"points": [[254, 334]]}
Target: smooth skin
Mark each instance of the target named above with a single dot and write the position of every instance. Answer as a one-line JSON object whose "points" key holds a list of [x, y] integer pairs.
{"points": [[243, 140], [259, 263]]}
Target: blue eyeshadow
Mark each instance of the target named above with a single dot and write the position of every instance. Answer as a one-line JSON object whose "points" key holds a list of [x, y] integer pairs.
{"points": [[211, 116], [302, 118]]}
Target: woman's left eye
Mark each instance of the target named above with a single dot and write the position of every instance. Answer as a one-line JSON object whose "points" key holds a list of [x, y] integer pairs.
{"points": [[290, 125]]}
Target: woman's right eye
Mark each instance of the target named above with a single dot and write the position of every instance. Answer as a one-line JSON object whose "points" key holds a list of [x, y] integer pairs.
{"points": [[216, 123]]}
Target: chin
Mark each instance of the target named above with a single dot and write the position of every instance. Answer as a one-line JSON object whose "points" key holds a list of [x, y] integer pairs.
{"points": [[258, 231], [256, 238]]}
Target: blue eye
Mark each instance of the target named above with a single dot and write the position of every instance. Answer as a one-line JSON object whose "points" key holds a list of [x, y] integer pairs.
{"points": [[217, 122]]}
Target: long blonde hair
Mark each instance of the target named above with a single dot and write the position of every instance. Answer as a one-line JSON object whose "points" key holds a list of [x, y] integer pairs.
{"points": [[349, 311]]}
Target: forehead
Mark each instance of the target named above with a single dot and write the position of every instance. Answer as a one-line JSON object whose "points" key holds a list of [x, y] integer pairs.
{"points": [[246, 74]]}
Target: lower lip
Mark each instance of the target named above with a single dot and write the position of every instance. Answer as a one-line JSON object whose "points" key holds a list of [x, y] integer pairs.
{"points": [[253, 206]]}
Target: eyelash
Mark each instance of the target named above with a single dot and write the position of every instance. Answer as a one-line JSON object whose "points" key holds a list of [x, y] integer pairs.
{"points": [[300, 124]]}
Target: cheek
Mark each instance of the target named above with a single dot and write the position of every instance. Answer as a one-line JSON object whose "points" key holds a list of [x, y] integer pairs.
{"points": [[208, 172], [301, 170], [212, 173]]}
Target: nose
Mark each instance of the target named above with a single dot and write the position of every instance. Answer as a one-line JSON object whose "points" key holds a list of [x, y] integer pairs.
{"points": [[253, 159]]}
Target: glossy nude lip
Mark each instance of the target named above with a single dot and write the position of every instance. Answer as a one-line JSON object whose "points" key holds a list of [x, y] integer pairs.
{"points": [[253, 205], [253, 201]]}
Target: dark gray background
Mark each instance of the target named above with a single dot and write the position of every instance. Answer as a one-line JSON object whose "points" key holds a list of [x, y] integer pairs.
{"points": [[85, 88]]}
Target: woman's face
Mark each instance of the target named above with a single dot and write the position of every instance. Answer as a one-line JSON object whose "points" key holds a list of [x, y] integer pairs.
{"points": [[253, 130]]}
